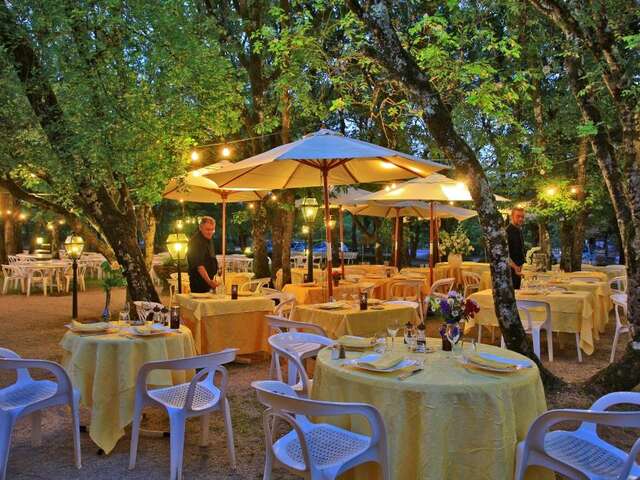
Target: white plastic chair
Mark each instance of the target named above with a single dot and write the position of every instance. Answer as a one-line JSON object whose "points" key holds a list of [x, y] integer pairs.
{"points": [[618, 285], [29, 397], [317, 451], [286, 301], [470, 281], [255, 286], [294, 347], [534, 327], [143, 309], [622, 323], [68, 276], [582, 454], [173, 284], [12, 274], [197, 398]]}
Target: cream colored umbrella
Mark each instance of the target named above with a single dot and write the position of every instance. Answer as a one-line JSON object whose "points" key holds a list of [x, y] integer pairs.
{"points": [[434, 188], [320, 159], [196, 187]]}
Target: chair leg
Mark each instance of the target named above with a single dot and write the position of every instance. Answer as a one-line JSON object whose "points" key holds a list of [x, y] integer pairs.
{"points": [[6, 427], [550, 344], [614, 346], [578, 347], [176, 435], [75, 419], [479, 333], [135, 433], [5, 285], [268, 464], [29, 287], [36, 428], [535, 334], [229, 430], [204, 430], [521, 462]]}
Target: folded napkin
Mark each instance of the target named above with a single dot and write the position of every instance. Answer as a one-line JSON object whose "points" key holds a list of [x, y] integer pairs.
{"points": [[385, 361], [487, 362], [145, 329], [89, 327], [351, 341]]}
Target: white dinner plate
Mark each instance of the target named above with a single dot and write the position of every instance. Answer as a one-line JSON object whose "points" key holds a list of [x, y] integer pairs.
{"points": [[374, 356], [155, 330], [330, 306]]}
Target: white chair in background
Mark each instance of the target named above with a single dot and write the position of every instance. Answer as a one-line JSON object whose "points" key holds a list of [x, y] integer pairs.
{"points": [[317, 451], [582, 454], [36, 276], [12, 275], [533, 327], [294, 347], [68, 276], [471, 282], [622, 323], [618, 285], [255, 286], [173, 285], [286, 301], [197, 398], [143, 309], [29, 397]]}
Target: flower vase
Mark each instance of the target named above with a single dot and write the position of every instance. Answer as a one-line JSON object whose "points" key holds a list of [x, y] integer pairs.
{"points": [[455, 260], [451, 332]]}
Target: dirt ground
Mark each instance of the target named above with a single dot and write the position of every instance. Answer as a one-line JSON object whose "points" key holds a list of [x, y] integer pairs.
{"points": [[33, 327]]}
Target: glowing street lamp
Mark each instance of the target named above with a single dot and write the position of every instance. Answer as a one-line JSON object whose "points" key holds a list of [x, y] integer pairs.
{"points": [[73, 245], [309, 212], [178, 244]]}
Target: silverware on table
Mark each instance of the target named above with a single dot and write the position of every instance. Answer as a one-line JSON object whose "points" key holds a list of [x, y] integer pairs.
{"points": [[404, 376]]}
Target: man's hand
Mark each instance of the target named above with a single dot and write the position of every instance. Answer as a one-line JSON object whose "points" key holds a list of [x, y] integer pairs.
{"points": [[213, 284]]}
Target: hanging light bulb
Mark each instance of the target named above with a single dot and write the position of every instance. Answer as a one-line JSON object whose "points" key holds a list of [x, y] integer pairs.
{"points": [[226, 152], [195, 155]]}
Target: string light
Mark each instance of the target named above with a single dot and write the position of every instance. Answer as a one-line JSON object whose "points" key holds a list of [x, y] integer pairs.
{"points": [[61, 222], [274, 197], [305, 229], [251, 206], [22, 216], [574, 190], [387, 188], [226, 152], [551, 191], [393, 185], [195, 155]]}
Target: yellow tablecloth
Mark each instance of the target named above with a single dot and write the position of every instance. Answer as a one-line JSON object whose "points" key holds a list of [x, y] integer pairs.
{"points": [[601, 276], [219, 323], [320, 293], [611, 271], [447, 422], [442, 270], [298, 274], [353, 321], [600, 298], [104, 369], [570, 313]]}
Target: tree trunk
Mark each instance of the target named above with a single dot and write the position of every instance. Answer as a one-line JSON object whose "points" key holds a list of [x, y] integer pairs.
{"points": [[544, 241], [400, 64], [8, 210], [258, 234], [288, 217], [276, 241], [146, 224], [581, 216], [567, 228]]}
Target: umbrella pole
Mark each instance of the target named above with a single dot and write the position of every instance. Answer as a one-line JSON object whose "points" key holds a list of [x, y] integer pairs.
{"points": [[431, 234], [395, 240], [325, 186], [341, 240], [224, 238]]}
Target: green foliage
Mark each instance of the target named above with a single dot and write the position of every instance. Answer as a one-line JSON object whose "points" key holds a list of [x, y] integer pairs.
{"points": [[111, 277]]}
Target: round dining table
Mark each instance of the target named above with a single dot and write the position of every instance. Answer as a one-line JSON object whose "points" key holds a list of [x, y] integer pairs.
{"points": [[447, 421]]}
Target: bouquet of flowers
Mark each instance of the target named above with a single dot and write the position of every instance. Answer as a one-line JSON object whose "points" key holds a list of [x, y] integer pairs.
{"points": [[455, 308], [456, 242]]}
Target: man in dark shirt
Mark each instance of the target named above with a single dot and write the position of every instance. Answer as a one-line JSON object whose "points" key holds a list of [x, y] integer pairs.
{"points": [[202, 257], [516, 246]]}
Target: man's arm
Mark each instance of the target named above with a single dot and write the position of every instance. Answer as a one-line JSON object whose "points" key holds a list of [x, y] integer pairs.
{"points": [[205, 276]]}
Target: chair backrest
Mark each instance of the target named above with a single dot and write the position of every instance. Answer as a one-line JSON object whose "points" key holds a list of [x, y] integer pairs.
{"points": [[619, 301], [255, 285], [281, 344], [441, 288], [280, 324], [470, 279], [618, 284], [143, 309], [283, 403], [12, 258], [528, 305], [207, 365], [10, 360]]}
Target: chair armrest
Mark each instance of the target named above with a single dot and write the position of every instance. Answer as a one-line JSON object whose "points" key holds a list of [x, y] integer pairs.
{"points": [[62, 377], [615, 398]]}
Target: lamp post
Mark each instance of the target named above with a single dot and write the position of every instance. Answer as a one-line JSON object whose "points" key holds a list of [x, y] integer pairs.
{"points": [[309, 212], [177, 244], [74, 245]]}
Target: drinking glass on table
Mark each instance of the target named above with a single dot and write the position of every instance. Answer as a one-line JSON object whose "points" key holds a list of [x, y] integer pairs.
{"points": [[381, 342], [392, 330]]}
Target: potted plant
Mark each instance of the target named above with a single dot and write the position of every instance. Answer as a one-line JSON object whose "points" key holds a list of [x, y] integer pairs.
{"points": [[456, 245], [111, 277]]}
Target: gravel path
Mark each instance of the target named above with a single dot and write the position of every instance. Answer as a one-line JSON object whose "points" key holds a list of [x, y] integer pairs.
{"points": [[33, 327]]}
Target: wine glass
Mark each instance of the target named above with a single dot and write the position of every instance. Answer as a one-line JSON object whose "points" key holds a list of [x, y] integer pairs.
{"points": [[392, 330]]}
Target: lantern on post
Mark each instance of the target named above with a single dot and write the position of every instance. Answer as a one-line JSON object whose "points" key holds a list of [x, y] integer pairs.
{"points": [[309, 211], [178, 244], [74, 245]]}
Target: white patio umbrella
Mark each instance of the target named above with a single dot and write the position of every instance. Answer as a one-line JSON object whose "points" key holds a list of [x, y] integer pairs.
{"points": [[319, 159], [434, 188], [196, 187]]}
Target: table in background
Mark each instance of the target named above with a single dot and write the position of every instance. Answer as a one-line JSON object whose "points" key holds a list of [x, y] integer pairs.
{"points": [[350, 320], [570, 313], [318, 293], [444, 422], [104, 368], [218, 322], [611, 271]]}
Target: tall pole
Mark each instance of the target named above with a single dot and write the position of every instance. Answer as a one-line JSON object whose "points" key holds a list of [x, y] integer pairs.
{"points": [[431, 235], [74, 301], [224, 236], [327, 217], [341, 218], [179, 277], [395, 241], [310, 253]]}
